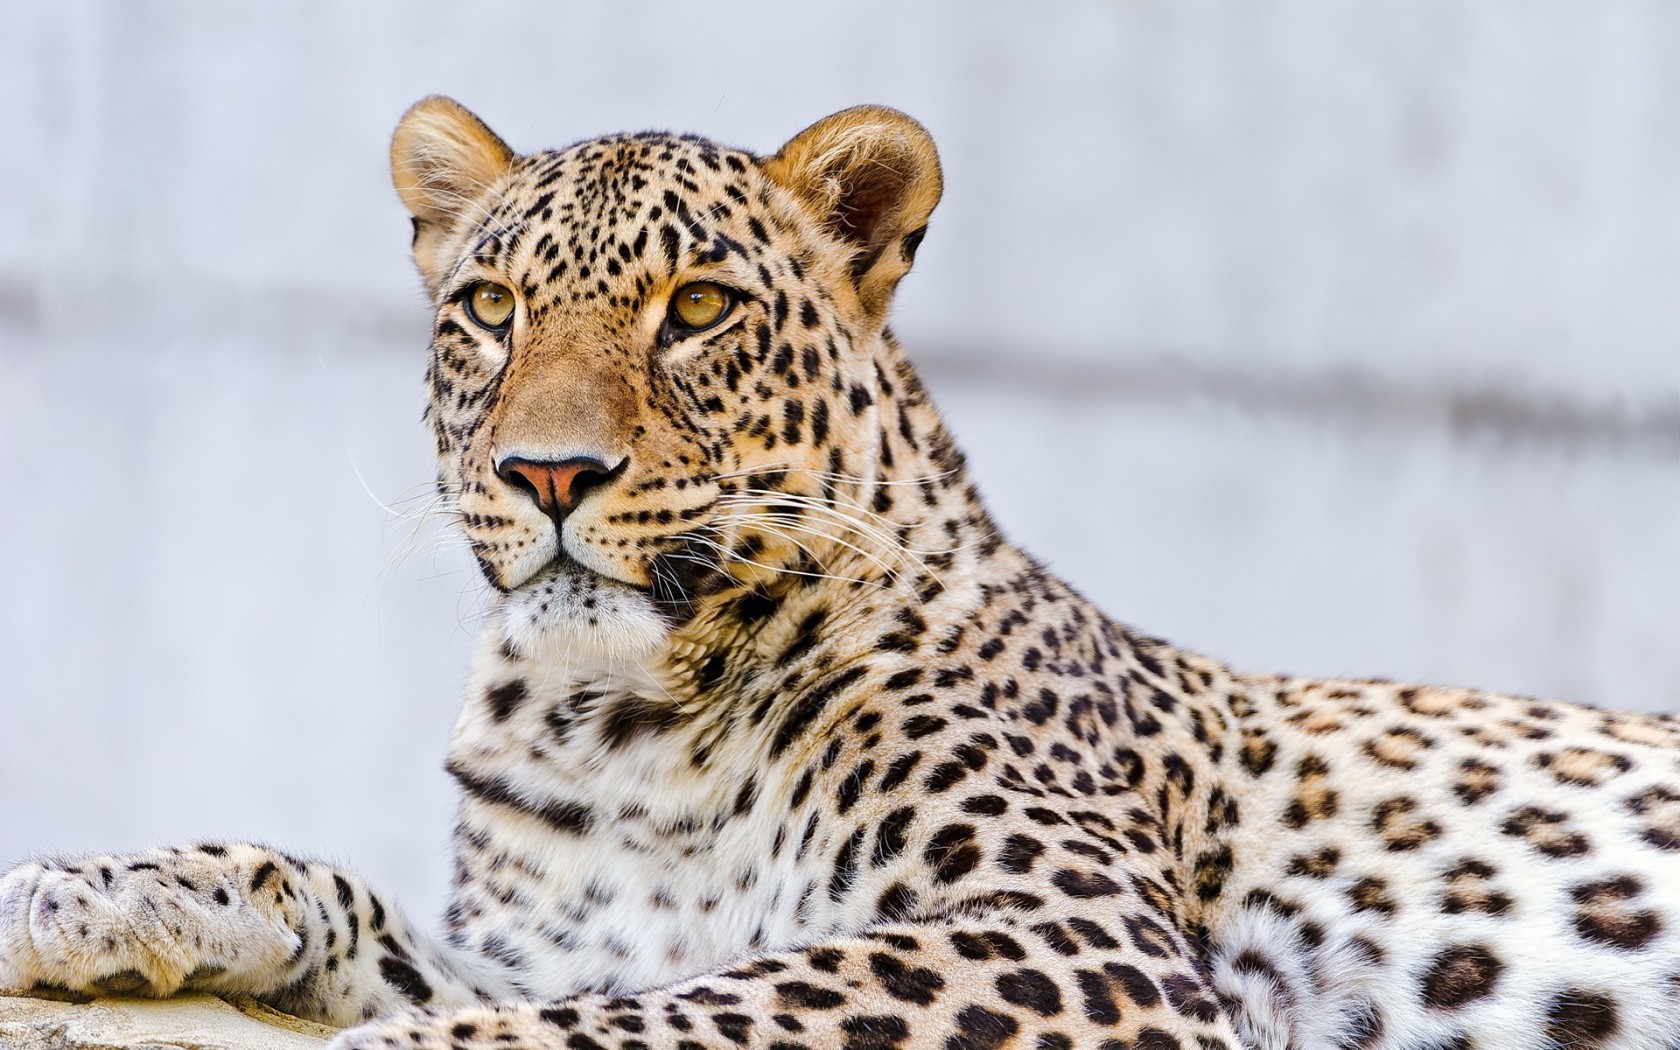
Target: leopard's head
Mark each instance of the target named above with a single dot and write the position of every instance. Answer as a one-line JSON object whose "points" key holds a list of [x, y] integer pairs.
{"points": [[654, 372]]}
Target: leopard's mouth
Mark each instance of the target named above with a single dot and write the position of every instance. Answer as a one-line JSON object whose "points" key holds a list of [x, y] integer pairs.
{"points": [[549, 560], [567, 608], [576, 593], [568, 562]]}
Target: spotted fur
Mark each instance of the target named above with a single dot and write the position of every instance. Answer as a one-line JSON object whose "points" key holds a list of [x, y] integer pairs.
{"points": [[775, 741]]}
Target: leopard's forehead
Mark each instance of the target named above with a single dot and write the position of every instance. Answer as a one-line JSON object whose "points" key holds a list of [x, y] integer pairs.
{"points": [[588, 212], [618, 174]]}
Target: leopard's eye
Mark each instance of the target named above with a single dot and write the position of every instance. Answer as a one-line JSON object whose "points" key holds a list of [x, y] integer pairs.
{"points": [[490, 304], [701, 305]]}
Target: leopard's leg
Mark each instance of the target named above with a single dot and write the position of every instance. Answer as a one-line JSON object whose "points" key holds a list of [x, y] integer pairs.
{"points": [[302, 936], [958, 984]]}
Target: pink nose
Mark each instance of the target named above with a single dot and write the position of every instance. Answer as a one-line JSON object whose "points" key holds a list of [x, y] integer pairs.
{"points": [[557, 488]]}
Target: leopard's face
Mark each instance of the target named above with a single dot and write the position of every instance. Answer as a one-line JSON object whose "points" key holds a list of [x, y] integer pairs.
{"points": [[651, 355]]}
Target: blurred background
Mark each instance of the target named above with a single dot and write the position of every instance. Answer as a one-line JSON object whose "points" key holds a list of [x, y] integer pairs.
{"points": [[1333, 337]]}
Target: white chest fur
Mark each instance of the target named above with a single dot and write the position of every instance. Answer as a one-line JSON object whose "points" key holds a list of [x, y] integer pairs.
{"points": [[594, 858]]}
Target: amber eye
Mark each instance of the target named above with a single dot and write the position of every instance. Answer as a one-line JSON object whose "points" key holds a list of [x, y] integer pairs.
{"points": [[701, 305], [490, 304]]}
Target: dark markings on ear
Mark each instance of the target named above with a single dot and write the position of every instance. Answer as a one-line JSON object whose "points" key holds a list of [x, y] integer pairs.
{"points": [[863, 262], [911, 242]]}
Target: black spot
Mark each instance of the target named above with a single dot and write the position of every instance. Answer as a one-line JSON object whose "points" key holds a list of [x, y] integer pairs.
{"points": [[1319, 864], [918, 726], [737, 1028], [1041, 710], [1056, 936], [755, 606], [1018, 854], [900, 769], [874, 1032], [1547, 831], [981, 1029], [502, 699], [945, 776], [903, 679], [985, 805], [852, 786], [845, 866], [1092, 934], [952, 852], [799, 994], [1579, 1019], [825, 960], [1186, 996], [891, 836], [1031, 989], [747, 797], [1460, 975], [896, 903], [559, 1016], [819, 422], [711, 671], [1605, 916], [1084, 884], [1210, 872], [1134, 982], [1259, 753], [913, 984], [1099, 1004], [628, 719], [1150, 937], [1371, 894], [405, 979], [264, 872], [801, 788]]}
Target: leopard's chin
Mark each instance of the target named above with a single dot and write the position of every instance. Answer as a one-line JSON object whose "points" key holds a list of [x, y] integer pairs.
{"points": [[573, 613]]}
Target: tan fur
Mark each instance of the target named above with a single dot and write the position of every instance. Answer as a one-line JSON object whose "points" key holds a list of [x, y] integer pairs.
{"points": [[773, 741]]}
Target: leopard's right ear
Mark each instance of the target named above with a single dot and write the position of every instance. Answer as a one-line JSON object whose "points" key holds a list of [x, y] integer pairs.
{"points": [[443, 160]]}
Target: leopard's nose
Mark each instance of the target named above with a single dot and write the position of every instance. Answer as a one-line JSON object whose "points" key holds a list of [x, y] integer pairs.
{"points": [[557, 487]]}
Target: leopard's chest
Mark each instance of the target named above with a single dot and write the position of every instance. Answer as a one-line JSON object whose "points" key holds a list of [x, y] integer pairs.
{"points": [[623, 909], [589, 860]]}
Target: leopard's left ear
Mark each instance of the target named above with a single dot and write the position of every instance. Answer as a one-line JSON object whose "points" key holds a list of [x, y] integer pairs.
{"points": [[871, 176], [443, 159]]}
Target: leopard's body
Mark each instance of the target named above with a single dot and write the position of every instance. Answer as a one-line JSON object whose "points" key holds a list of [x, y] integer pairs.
{"points": [[774, 741]]}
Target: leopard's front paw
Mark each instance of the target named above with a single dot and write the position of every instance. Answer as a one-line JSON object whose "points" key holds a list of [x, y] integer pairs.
{"points": [[148, 923]]}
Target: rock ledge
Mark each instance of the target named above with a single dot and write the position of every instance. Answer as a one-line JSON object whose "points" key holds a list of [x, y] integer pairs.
{"points": [[185, 1022]]}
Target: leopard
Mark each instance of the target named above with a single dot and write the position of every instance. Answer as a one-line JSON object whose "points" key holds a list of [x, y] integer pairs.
{"points": [[774, 741]]}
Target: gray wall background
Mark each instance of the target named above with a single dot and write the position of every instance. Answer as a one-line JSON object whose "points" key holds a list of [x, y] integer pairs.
{"points": [[1335, 337]]}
